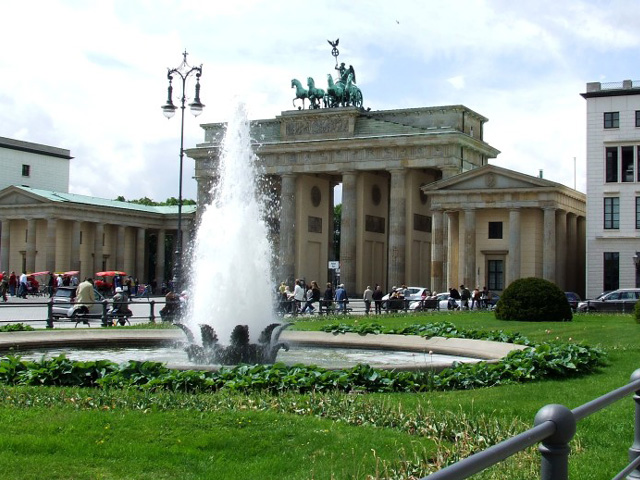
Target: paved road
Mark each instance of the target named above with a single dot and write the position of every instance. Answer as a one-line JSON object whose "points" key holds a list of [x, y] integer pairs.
{"points": [[33, 311]]}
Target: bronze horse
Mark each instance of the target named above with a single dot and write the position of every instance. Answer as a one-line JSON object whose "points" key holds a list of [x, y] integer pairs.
{"points": [[301, 93], [315, 94]]}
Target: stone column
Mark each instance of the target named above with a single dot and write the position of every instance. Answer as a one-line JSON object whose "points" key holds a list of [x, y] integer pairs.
{"points": [[397, 227], [574, 272], [288, 228], [98, 248], [74, 257], [561, 249], [348, 232], [31, 245], [120, 249], [160, 257], [52, 226], [579, 271], [331, 253], [5, 246], [140, 274], [514, 259], [437, 259], [549, 245], [453, 250], [469, 278]]}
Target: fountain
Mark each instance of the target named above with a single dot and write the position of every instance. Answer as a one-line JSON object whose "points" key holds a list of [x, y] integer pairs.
{"points": [[230, 315]]}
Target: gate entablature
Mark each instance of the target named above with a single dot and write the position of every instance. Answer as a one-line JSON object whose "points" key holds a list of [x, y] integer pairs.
{"points": [[331, 140]]}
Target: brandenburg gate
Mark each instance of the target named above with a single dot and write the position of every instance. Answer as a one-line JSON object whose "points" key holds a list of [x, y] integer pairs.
{"points": [[382, 159]]}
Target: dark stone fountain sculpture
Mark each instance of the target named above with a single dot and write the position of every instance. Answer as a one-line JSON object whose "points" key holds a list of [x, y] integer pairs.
{"points": [[239, 349]]}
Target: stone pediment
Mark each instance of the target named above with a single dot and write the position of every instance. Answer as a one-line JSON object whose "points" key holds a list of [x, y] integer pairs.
{"points": [[15, 196], [489, 177]]}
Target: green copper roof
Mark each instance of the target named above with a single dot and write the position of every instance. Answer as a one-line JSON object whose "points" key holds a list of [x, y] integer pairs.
{"points": [[103, 202]]}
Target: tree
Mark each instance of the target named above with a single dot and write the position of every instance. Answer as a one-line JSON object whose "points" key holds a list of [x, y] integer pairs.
{"points": [[337, 221], [171, 201]]}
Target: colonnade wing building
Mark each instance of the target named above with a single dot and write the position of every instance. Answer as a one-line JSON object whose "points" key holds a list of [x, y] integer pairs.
{"points": [[420, 203], [58, 231]]}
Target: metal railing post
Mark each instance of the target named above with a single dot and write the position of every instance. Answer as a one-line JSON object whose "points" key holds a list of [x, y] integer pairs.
{"points": [[555, 448], [634, 451], [152, 317], [105, 303], [50, 313]]}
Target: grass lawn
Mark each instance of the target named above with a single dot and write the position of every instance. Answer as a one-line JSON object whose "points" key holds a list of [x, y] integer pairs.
{"points": [[57, 433]]}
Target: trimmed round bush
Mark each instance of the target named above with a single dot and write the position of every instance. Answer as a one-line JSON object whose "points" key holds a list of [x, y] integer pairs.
{"points": [[533, 300]]}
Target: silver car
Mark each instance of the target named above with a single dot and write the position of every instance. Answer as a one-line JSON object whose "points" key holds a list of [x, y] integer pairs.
{"points": [[64, 307]]}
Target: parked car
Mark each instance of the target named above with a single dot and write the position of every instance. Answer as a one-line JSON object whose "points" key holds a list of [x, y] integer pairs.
{"points": [[63, 304], [443, 301], [573, 299], [622, 300], [415, 296]]}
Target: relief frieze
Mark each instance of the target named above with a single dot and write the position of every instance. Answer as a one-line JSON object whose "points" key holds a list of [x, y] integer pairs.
{"points": [[316, 126]]}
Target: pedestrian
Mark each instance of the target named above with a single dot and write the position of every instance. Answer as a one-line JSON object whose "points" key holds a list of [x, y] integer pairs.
{"points": [[313, 296], [4, 286], [475, 298], [367, 296], [377, 298], [298, 296], [13, 283], [406, 295], [465, 296], [327, 299], [341, 298], [23, 287]]}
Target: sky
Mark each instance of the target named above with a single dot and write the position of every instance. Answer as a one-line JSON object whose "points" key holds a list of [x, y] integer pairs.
{"points": [[91, 76]]}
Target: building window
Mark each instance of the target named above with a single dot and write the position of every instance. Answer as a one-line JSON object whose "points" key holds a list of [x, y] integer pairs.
{"points": [[638, 213], [637, 118], [626, 154], [611, 164], [495, 230], [611, 119], [611, 213], [495, 271], [611, 280], [80, 237], [26, 170]]}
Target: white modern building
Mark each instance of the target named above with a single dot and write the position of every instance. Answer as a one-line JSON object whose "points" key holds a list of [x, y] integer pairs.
{"points": [[613, 186], [34, 165]]}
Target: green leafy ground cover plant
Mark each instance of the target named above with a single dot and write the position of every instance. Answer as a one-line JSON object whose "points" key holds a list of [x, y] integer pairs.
{"points": [[550, 360], [16, 327]]}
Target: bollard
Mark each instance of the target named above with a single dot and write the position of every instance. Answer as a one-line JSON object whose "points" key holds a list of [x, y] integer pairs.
{"points": [[152, 317], [50, 313], [105, 304], [555, 449], [634, 451]]}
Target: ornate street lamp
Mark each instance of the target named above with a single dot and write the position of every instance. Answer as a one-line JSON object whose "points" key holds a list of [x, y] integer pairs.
{"points": [[169, 110]]}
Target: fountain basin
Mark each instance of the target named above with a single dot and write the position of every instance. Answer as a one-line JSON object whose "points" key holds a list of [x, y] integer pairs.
{"points": [[15, 342]]}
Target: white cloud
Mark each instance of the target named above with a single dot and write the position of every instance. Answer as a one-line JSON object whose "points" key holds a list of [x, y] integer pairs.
{"points": [[91, 76], [457, 82]]}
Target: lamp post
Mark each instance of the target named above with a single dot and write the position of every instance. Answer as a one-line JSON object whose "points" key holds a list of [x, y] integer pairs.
{"points": [[169, 110]]}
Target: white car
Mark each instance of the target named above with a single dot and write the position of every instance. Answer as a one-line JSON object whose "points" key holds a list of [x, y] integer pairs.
{"points": [[415, 296]]}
